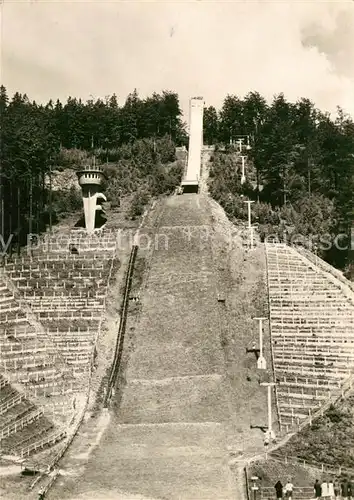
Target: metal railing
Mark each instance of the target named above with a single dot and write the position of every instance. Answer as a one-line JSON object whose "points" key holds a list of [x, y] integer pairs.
{"points": [[42, 442], [3, 382], [312, 464], [20, 424], [52, 465], [75, 424], [300, 492], [121, 330], [10, 403], [271, 342]]}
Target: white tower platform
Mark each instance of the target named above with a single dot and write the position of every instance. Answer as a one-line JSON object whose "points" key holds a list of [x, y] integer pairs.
{"points": [[90, 178], [192, 175]]}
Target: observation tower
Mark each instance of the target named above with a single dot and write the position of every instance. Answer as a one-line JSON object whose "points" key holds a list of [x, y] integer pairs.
{"points": [[90, 178]]}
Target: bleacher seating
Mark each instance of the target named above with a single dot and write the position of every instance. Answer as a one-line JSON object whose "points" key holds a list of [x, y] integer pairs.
{"points": [[51, 309], [312, 327], [22, 424]]}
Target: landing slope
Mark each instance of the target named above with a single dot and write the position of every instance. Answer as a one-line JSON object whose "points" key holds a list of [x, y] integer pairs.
{"points": [[168, 437]]}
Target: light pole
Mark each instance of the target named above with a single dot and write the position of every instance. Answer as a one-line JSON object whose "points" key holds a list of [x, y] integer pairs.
{"points": [[249, 220], [248, 145], [270, 433], [240, 142], [254, 486], [50, 197], [243, 177], [249, 212], [261, 361]]}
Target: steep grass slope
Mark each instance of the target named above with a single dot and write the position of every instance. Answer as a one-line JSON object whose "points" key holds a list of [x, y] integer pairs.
{"points": [[188, 391], [241, 277], [168, 438]]}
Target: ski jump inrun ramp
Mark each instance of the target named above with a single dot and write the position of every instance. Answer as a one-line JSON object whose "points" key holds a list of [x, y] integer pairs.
{"points": [[190, 182]]}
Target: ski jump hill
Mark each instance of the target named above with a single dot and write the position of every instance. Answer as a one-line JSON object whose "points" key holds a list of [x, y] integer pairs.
{"points": [[168, 438], [170, 417]]}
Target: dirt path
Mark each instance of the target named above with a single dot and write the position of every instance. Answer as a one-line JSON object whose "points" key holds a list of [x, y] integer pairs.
{"points": [[9, 470]]}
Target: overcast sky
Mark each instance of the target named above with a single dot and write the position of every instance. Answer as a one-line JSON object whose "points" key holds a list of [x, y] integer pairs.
{"points": [[54, 49]]}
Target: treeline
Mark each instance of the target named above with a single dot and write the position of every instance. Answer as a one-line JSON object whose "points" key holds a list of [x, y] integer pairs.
{"points": [[35, 139], [300, 168], [103, 124]]}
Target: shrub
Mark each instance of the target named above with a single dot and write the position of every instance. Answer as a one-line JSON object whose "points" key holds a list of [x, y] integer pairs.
{"points": [[140, 199], [71, 158], [67, 201]]}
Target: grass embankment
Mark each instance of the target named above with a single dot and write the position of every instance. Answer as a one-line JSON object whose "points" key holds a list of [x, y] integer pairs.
{"points": [[242, 280], [172, 373], [330, 439], [137, 172]]}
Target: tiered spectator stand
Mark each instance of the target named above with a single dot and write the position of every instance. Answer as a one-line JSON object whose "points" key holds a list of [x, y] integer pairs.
{"points": [[31, 370], [24, 427], [66, 292], [25, 357], [312, 331]]}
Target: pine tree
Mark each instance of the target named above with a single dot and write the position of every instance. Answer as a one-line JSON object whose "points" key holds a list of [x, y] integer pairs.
{"points": [[210, 125]]}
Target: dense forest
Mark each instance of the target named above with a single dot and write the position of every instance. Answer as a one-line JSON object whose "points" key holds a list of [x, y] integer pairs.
{"points": [[300, 168], [134, 142]]}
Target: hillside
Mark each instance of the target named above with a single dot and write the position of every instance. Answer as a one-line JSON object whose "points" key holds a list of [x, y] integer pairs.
{"points": [[188, 388], [189, 395], [189, 409], [71, 317], [167, 435], [135, 174], [307, 301], [329, 440], [320, 451]]}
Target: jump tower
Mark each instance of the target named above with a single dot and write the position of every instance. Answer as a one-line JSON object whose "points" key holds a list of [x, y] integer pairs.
{"points": [[90, 178], [190, 182]]}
